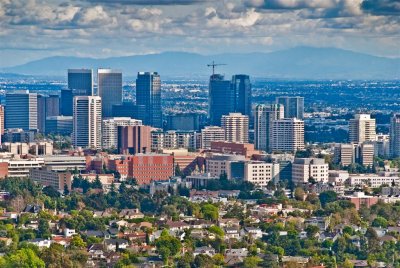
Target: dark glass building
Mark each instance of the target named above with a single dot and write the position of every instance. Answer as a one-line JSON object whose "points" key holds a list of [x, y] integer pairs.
{"points": [[21, 111], [148, 93], [183, 121], [294, 106], [129, 109], [109, 88], [59, 125], [242, 90], [80, 83], [220, 99]]}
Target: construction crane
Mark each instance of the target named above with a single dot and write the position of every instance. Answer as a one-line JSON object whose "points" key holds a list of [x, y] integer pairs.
{"points": [[213, 64]]}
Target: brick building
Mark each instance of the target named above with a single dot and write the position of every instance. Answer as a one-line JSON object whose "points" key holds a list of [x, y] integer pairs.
{"points": [[144, 167]]}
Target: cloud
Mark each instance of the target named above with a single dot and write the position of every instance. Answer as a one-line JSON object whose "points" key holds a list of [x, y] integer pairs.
{"points": [[149, 2], [381, 7], [342, 8], [93, 17], [100, 28], [290, 4]]}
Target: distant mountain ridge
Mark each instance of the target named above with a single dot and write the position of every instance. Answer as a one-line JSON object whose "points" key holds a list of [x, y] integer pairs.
{"points": [[294, 63]]}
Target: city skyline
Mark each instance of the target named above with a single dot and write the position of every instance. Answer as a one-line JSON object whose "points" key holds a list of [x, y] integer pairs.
{"points": [[36, 29]]}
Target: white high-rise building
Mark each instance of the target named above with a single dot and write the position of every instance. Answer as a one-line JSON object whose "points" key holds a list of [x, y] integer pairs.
{"points": [[236, 126], [211, 133], [287, 135], [382, 144], [263, 119], [305, 168], [362, 128], [395, 136], [110, 129], [109, 88], [87, 122]]}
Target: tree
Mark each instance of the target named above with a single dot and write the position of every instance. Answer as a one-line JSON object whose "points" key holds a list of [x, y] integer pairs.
{"points": [[251, 262], [311, 230], [348, 264], [178, 171], [24, 258], [66, 190], [216, 230], [77, 242], [219, 259], [168, 245], [54, 256], [50, 191], [373, 240], [97, 183], [210, 212], [185, 260], [327, 197], [299, 194], [203, 261], [380, 222], [165, 253], [44, 228]]}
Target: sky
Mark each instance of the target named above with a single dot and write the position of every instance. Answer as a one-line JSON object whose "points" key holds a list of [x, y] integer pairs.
{"points": [[35, 29]]}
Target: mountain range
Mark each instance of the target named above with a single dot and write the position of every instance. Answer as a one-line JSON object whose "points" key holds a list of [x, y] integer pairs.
{"points": [[294, 63]]}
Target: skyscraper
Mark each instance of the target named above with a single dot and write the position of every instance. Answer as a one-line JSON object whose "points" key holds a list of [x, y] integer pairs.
{"points": [[236, 126], [21, 111], [263, 119], [294, 106], [87, 122], [220, 99], [242, 91], [287, 135], [46, 106], [395, 135], [109, 88], [53, 105], [130, 109], [1, 119], [80, 83], [66, 104], [148, 93], [362, 128], [41, 113]]}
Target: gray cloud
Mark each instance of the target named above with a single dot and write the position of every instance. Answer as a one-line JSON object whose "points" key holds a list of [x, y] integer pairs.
{"points": [[149, 2], [96, 28], [290, 4], [381, 7]]}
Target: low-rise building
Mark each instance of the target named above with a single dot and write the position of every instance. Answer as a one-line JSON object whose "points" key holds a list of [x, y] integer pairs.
{"points": [[221, 164], [359, 199], [20, 168], [48, 177], [65, 162], [304, 169], [201, 180], [261, 173], [33, 148], [373, 180]]}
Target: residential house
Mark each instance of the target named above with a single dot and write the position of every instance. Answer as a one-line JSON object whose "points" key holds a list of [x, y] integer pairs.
{"points": [[204, 250]]}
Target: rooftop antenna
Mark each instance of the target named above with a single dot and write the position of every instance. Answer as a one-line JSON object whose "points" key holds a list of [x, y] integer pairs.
{"points": [[213, 64]]}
